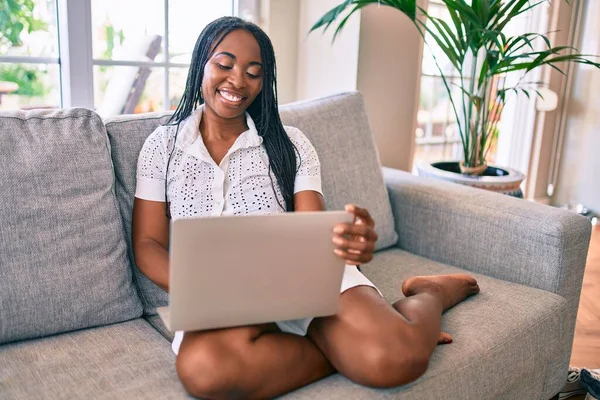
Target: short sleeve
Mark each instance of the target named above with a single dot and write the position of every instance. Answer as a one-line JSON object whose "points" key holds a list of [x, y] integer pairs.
{"points": [[151, 167], [308, 176]]}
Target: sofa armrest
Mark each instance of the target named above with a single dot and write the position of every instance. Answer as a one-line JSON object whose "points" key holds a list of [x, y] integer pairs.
{"points": [[492, 234]]}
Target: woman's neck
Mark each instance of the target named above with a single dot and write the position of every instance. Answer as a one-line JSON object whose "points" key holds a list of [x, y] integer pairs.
{"points": [[213, 127]]}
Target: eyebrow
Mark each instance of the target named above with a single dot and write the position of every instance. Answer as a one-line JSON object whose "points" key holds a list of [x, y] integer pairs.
{"points": [[228, 54]]}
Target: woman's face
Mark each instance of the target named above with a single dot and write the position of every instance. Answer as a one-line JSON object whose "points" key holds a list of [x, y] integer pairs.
{"points": [[233, 75]]}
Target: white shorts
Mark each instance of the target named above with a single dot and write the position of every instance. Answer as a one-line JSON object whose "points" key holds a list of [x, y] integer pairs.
{"points": [[352, 278]]}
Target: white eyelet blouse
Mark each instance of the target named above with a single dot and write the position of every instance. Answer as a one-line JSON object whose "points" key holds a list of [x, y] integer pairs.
{"points": [[239, 185]]}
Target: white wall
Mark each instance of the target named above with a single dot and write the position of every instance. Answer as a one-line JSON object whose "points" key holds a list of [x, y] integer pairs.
{"points": [[579, 177], [281, 23], [378, 52], [389, 72], [325, 67]]}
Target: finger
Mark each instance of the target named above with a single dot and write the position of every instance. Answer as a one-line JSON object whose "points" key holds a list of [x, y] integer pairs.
{"points": [[355, 220], [365, 231], [348, 244], [361, 213], [350, 258]]}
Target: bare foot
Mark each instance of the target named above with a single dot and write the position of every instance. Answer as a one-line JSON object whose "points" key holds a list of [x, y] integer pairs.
{"points": [[452, 288], [445, 338]]}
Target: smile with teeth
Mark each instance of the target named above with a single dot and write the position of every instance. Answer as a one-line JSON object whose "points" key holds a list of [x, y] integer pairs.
{"points": [[230, 97]]}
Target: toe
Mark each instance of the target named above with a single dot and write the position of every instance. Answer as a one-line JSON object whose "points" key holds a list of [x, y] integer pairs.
{"points": [[445, 338]]}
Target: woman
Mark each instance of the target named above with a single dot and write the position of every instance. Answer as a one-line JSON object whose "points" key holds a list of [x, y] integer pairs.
{"points": [[226, 152]]}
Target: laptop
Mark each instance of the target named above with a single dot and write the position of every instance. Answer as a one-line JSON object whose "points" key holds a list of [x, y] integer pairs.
{"points": [[240, 270]]}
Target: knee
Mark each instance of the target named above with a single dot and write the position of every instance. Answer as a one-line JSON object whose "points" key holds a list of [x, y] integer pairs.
{"points": [[388, 364], [206, 372]]}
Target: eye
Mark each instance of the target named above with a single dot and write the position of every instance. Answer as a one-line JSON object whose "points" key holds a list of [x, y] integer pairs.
{"points": [[252, 76], [225, 67]]}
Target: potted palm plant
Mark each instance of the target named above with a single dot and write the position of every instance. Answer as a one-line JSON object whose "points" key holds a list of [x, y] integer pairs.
{"points": [[476, 45]]}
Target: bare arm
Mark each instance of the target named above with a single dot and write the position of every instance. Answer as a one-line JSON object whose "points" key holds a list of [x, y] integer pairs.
{"points": [[150, 237], [308, 200]]}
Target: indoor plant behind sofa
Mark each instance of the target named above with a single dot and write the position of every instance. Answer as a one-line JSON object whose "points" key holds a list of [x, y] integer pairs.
{"points": [[477, 49], [70, 307]]}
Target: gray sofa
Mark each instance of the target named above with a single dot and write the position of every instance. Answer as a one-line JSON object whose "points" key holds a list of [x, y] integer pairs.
{"points": [[77, 320]]}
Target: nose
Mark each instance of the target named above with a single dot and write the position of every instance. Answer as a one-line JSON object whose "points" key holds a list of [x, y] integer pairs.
{"points": [[237, 78]]}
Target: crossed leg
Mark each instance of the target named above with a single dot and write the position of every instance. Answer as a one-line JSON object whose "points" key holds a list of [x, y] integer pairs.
{"points": [[377, 345], [253, 362], [368, 341]]}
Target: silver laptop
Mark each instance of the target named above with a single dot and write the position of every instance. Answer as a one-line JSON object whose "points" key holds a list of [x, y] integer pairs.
{"points": [[241, 270]]}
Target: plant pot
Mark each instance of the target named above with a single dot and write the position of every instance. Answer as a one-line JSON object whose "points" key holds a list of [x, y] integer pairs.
{"points": [[496, 179]]}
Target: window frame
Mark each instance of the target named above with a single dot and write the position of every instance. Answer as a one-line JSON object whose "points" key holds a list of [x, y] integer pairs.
{"points": [[76, 61]]}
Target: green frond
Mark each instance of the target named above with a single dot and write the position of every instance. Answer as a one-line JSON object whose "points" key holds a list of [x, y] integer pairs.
{"points": [[473, 39]]}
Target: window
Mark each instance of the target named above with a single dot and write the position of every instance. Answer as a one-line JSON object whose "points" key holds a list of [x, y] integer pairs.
{"points": [[437, 136], [117, 56], [149, 55], [29, 63]]}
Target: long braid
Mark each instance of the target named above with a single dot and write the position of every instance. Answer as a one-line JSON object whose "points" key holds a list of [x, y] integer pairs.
{"points": [[263, 110]]}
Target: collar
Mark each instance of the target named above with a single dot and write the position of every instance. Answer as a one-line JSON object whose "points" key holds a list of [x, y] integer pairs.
{"points": [[189, 139]]}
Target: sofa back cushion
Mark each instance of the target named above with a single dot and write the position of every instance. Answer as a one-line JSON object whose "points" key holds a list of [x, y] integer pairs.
{"points": [[127, 135], [63, 257], [336, 125]]}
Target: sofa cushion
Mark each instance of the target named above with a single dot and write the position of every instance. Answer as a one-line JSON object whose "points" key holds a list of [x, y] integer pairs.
{"points": [[127, 135], [63, 257], [129, 360], [351, 173], [505, 340]]}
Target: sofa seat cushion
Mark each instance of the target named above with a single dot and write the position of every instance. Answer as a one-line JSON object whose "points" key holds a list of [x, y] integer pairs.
{"points": [[505, 338], [63, 256], [130, 360]]}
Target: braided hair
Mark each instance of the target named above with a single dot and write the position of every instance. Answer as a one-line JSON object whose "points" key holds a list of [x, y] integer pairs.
{"points": [[263, 110]]}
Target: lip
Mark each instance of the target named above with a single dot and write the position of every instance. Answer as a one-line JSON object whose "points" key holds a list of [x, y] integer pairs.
{"points": [[232, 93]]}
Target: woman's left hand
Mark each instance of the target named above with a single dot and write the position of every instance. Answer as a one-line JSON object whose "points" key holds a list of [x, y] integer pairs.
{"points": [[355, 242]]}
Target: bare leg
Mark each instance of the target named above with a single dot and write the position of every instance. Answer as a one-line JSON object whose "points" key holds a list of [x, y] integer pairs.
{"points": [[248, 362], [368, 341], [378, 345]]}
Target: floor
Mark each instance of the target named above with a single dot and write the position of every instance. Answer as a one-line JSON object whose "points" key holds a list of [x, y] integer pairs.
{"points": [[586, 346]]}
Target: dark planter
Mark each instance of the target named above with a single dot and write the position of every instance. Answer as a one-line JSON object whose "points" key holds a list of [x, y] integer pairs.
{"points": [[496, 179]]}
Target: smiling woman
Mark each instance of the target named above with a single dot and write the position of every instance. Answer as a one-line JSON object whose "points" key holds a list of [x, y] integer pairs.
{"points": [[228, 60], [225, 152]]}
